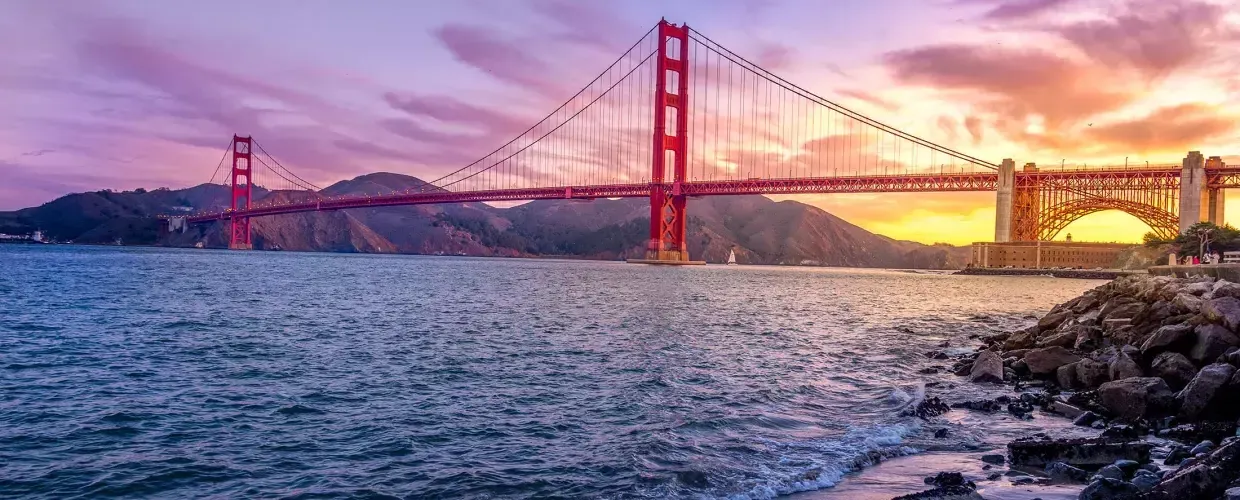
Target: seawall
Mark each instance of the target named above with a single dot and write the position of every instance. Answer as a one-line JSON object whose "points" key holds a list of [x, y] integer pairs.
{"points": [[1229, 272], [1058, 273]]}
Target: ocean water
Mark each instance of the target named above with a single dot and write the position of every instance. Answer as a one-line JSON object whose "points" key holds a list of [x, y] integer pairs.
{"points": [[133, 372]]}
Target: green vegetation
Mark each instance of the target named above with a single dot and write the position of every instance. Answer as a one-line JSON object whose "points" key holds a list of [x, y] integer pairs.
{"points": [[1220, 239]]}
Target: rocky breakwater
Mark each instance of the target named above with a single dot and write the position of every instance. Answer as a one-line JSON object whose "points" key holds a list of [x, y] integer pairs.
{"points": [[1152, 362]]}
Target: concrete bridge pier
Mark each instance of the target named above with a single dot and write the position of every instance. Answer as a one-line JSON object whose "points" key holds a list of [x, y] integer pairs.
{"points": [[1216, 198], [1193, 191], [1003, 201]]}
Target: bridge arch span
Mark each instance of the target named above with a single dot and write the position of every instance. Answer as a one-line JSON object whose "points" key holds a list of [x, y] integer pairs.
{"points": [[1163, 222]]}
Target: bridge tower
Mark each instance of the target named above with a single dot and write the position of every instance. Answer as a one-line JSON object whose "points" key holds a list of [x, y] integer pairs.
{"points": [[671, 147], [242, 191], [1003, 201]]}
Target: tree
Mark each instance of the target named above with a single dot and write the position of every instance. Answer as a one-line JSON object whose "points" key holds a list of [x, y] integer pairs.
{"points": [[1218, 239]]}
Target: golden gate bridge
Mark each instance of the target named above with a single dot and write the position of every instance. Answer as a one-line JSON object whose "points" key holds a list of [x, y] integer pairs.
{"points": [[679, 116]]}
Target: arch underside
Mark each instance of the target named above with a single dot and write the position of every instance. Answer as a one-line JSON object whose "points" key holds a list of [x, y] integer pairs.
{"points": [[1164, 223]]}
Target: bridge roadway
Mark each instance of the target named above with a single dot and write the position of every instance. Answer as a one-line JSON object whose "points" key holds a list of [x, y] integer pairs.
{"points": [[1228, 177]]}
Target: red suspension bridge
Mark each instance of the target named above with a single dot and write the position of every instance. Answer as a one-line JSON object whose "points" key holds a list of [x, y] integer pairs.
{"points": [[679, 116]]}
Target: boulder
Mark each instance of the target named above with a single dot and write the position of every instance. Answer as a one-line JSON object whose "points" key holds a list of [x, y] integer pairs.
{"points": [[1232, 494], [1092, 373], [1053, 319], [1048, 359], [1111, 472], [1088, 339], [987, 368], [1187, 302], [1197, 395], [1223, 288], [1225, 310], [1168, 338], [1041, 451], [943, 493], [1023, 339], [1145, 480], [1066, 376], [1173, 367], [1063, 473], [1206, 478], [1231, 357], [994, 459], [1133, 398], [1211, 342], [1121, 308], [1124, 367], [1198, 288], [1109, 489], [1061, 338]]}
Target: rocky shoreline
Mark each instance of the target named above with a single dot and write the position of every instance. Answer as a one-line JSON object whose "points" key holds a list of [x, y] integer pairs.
{"points": [[1149, 362]]}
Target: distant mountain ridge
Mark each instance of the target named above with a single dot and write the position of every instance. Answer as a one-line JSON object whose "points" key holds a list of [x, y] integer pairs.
{"points": [[758, 229]]}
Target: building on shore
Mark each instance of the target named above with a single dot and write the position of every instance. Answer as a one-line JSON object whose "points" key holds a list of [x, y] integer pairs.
{"points": [[1047, 254]]}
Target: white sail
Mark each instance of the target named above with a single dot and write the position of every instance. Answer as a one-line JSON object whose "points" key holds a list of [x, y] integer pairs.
{"points": [[731, 257]]}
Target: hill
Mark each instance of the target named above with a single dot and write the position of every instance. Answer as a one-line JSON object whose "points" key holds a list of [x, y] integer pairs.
{"points": [[759, 230]]}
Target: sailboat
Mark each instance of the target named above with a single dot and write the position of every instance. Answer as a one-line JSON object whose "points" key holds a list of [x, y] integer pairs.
{"points": [[731, 257]]}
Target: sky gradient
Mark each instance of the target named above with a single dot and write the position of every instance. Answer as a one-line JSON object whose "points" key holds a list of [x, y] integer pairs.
{"points": [[127, 94]]}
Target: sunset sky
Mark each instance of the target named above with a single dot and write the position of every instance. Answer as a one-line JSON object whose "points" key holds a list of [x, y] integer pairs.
{"points": [[127, 94]]}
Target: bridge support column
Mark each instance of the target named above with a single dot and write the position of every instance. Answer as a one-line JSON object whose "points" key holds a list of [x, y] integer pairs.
{"points": [[1192, 191], [1026, 205], [668, 219], [1003, 201], [1216, 197], [242, 189]]}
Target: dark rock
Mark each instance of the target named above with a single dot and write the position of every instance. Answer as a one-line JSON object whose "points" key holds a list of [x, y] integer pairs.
{"points": [[1040, 451], [930, 407], [1129, 467], [1009, 374], [1206, 478], [963, 369], [1231, 357], [1020, 367], [983, 405], [1023, 480], [1196, 432], [1124, 367], [1111, 472], [1023, 339], [1121, 308], [1211, 342], [995, 459], [1197, 395], [1065, 376], [1202, 447], [986, 368], [1092, 373], [1133, 398], [1225, 310], [948, 493], [994, 475], [937, 355], [1063, 473], [1088, 339], [1187, 302], [1061, 338], [1109, 489], [929, 370], [1177, 455], [947, 479], [1168, 338], [1053, 320], [1046, 360], [1015, 353], [1145, 480], [941, 433], [1173, 367], [1232, 493], [1121, 431], [1226, 289], [1085, 419]]}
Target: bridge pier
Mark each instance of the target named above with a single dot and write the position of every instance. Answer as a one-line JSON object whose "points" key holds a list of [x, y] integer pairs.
{"points": [[1216, 197], [1003, 201], [1193, 191]]}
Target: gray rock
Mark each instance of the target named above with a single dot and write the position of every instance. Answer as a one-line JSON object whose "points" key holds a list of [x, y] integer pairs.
{"points": [[1109, 489], [1231, 357], [1145, 480], [1197, 395], [1223, 288], [1209, 477], [1211, 342], [1061, 338], [1063, 473], [1022, 339], [1206, 446], [1048, 359], [1088, 338], [1128, 466], [1225, 310], [1232, 494], [1124, 367], [1177, 455], [1168, 338], [1066, 376], [987, 368], [1135, 397], [1198, 288], [1040, 451], [1121, 308], [1110, 472], [1085, 419], [1187, 302], [1053, 320], [1173, 367], [1092, 373], [995, 459]]}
